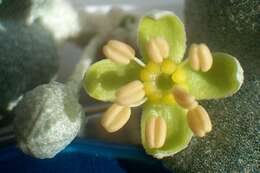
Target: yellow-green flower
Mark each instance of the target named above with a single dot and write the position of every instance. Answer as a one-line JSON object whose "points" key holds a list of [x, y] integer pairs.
{"points": [[167, 87]]}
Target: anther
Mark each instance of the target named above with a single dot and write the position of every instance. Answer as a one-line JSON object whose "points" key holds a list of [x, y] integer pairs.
{"points": [[115, 117], [183, 98], [130, 94], [158, 49], [120, 52], [199, 121], [200, 57], [155, 132]]}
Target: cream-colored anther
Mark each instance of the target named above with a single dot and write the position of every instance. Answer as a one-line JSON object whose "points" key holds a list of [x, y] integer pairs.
{"points": [[157, 49], [206, 59], [200, 57], [183, 98], [199, 121], [119, 52], [139, 103], [155, 132], [115, 117], [130, 94], [194, 57]]}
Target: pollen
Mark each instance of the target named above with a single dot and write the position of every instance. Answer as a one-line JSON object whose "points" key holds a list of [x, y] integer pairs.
{"points": [[179, 76], [168, 66]]}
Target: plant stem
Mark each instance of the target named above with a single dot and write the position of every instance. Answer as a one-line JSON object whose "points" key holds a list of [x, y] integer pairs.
{"points": [[88, 55]]}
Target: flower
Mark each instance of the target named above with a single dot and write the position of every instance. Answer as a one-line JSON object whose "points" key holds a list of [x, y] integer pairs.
{"points": [[167, 87]]}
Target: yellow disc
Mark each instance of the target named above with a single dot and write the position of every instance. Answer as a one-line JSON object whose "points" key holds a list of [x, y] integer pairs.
{"points": [[179, 76], [155, 96], [168, 66], [169, 99], [153, 67], [149, 88], [145, 75]]}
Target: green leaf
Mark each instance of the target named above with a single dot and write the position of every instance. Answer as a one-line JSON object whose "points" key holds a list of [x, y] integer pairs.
{"points": [[223, 79], [178, 131], [167, 26], [103, 78]]}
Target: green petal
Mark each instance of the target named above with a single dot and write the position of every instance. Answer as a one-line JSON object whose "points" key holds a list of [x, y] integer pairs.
{"points": [[166, 25], [222, 80], [103, 78], [178, 131]]}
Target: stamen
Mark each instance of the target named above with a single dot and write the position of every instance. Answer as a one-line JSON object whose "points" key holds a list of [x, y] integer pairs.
{"points": [[139, 62], [115, 117], [155, 132], [158, 49], [131, 93], [200, 57], [183, 98], [206, 59], [120, 53], [139, 103], [199, 121], [193, 57]]}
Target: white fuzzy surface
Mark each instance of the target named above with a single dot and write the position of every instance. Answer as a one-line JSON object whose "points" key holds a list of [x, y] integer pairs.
{"points": [[157, 14], [59, 17]]}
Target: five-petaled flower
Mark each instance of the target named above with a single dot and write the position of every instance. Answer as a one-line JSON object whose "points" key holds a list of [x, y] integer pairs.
{"points": [[167, 87]]}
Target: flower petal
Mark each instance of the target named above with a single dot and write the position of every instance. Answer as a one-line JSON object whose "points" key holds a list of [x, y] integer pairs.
{"points": [[165, 25], [178, 131], [104, 77], [223, 79]]}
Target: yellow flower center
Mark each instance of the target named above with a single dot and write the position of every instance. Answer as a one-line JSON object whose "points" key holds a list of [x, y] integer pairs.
{"points": [[159, 79]]}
